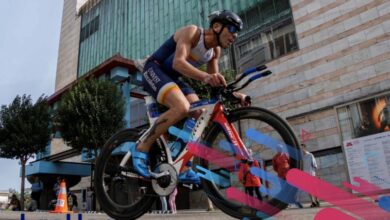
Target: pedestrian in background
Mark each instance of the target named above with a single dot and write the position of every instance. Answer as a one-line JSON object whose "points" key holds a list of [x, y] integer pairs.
{"points": [[72, 202], [251, 182], [281, 162], [310, 167], [164, 205], [36, 190], [56, 186], [90, 198], [14, 203], [172, 201], [281, 165]]}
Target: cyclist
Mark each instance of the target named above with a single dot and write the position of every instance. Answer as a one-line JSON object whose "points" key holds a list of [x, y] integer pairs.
{"points": [[188, 48]]}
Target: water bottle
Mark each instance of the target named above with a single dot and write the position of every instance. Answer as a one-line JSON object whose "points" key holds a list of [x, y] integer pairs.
{"points": [[183, 138], [152, 109]]}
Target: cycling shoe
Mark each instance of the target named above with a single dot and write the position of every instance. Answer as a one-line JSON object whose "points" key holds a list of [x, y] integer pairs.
{"points": [[140, 162], [189, 176]]}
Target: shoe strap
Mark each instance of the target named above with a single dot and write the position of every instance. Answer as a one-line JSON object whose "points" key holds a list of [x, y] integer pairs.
{"points": [[140, 155]]}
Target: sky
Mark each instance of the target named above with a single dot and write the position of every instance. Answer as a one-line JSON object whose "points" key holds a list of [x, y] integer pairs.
{"points": [[29, 41]]}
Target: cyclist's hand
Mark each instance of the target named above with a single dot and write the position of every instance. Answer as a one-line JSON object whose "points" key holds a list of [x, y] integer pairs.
{"points": [[215, 80], [245, 100]]}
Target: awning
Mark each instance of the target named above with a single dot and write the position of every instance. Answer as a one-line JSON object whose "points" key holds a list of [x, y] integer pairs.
{"points": [[58, 168]]}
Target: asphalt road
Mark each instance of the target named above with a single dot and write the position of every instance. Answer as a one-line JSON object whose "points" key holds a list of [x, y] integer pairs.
{"points": [[288, 214], [301, 214]]}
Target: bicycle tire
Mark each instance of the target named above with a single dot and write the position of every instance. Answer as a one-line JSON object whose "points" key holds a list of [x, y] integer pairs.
{"points": [[287, 135], [107, 168]]}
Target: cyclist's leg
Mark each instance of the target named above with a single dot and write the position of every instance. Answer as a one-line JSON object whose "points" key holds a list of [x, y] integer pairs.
{"points": [[178, 107], [168, 93], [190, 95], [191, 99], [188, 175]]}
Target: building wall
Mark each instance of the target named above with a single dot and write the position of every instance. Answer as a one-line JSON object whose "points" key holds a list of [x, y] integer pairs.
{"points": [[344, 56], [69, 46], [58, 145]]}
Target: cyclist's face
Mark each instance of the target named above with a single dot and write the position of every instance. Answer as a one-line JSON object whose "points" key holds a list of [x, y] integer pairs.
{"points": [[228, 36]]}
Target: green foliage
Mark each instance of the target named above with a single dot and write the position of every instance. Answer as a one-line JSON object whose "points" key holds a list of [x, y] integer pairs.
{"points": [[90, 113], [202, 89], [24, 131], [24, 128]]}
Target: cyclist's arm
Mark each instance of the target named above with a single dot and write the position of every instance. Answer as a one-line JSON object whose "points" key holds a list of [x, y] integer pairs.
{"points": [[184, 38], [213, 67]]}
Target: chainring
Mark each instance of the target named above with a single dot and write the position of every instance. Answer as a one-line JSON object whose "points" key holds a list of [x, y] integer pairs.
{"points": [[165, 185]]}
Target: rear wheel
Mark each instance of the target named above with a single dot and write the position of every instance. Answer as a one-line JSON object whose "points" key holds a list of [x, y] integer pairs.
{"points": [[264, 122], [120, 191]]}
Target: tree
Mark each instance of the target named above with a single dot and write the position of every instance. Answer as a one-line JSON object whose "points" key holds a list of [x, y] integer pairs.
{"points": [[89, 114], [24, 131]]}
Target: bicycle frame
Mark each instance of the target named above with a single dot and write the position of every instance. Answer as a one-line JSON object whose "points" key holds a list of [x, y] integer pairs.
{"points": [[212, 111]]}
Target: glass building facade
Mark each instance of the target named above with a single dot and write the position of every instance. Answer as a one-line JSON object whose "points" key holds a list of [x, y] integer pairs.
{"points": [[136, 28]]}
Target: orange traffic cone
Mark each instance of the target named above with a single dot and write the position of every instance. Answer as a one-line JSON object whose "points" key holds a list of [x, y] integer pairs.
{"points": [[62, 200]]}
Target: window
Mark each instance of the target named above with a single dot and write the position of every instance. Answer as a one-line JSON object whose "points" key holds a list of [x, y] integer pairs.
{"points": [[265, 12], [268, 34], [364, 118], [278, 40], [136, 79], [89, 29]]}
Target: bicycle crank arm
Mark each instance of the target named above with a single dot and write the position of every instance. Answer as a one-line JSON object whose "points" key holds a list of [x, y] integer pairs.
{"points": [[159, 175]]}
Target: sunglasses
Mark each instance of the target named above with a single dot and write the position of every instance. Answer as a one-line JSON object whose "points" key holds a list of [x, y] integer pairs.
{"points": [[232, 29]]}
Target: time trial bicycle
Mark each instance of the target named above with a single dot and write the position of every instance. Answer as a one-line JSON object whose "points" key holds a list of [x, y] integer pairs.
{"points": [[123, 194]]}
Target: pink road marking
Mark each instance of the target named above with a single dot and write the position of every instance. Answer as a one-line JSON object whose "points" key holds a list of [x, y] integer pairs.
{"points": [[334, 214], [334, 195], [233, 193], [238, 195], [364, 187]]}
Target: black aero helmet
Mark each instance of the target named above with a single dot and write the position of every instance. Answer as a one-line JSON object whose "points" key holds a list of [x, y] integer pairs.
{"points": [[226, 18]]}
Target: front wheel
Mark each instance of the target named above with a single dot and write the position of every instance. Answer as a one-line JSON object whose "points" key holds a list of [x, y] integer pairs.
{"points": [[120, 191], [243, 119]]}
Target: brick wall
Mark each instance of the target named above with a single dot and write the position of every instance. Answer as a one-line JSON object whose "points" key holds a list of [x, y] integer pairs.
{"points": [[344, 56]]}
